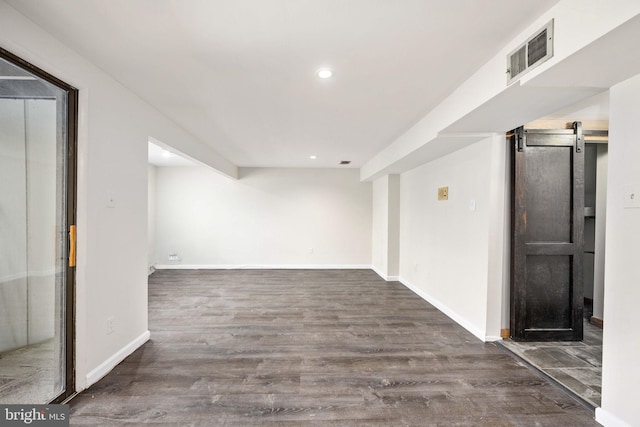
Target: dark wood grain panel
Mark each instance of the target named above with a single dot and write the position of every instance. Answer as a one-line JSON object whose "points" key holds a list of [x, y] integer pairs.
{"points": [[313, 348], [549, 289], [549, 194]]}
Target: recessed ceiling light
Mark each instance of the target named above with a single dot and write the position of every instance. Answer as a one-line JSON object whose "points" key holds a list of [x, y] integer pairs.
{"points": [[313, 157], [166, 154], [324, 73]]}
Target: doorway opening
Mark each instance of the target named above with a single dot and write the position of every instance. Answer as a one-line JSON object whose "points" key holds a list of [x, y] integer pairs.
{"points": [[577, 365], [37, 233]]}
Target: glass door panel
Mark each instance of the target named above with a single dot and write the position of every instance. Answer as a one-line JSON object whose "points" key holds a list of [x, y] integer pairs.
{"points": [[33, 237]]}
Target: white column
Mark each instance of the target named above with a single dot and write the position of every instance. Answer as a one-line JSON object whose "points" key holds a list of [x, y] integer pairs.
{"points": [[385, 242], [621, 340]]}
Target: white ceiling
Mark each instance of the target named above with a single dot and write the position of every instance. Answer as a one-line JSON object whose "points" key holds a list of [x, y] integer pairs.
{"points": [[240, 74]]}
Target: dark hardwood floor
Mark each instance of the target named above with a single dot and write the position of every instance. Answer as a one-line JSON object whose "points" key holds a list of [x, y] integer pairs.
{"points": [[313, 348]]}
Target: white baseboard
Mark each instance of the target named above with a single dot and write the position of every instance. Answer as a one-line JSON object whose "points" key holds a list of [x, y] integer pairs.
{"points": [[105, 367], [608, 419], [446, 310], [263, 267], [384, 276]]}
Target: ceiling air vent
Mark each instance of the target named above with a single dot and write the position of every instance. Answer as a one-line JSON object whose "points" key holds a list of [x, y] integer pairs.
{"points": [[536, 50]]}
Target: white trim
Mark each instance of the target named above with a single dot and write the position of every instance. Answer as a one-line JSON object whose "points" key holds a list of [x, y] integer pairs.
{"points": [[446, 310], [263, 267], [384, 276], [105, 367], [607, 419], [492, 338]]}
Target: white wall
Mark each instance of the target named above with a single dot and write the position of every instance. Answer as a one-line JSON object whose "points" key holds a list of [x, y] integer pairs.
{"points": [[151, 218], [270, 217], [445, 245], [114, 129], [621, 346]]}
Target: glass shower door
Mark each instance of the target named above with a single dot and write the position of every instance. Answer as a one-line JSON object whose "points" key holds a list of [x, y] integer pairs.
{"points": [[34, 243]]}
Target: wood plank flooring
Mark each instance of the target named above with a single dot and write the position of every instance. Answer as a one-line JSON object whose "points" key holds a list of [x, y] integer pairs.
{"points": [[313, 348]]}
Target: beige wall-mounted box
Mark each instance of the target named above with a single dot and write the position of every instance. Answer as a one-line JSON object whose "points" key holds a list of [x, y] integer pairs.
{"points": [[443, 193]]}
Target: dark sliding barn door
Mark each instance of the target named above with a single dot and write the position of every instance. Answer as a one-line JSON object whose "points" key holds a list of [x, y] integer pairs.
{"points": [[547, 234]]}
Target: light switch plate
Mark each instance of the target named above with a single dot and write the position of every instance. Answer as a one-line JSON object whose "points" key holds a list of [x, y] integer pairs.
{"points": [[110, 199], [631, 199]]}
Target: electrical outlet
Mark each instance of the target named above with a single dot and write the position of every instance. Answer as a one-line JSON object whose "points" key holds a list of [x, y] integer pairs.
{"points": [[310, 250], [111, 325], [443, 193], [174, 257]]}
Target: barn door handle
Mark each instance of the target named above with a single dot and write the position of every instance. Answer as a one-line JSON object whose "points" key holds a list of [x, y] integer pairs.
{"points": [[577, 129]]}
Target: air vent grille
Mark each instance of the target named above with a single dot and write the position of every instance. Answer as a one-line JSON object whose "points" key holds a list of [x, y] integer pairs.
{"points": [[536, 50], [519, 61]]}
